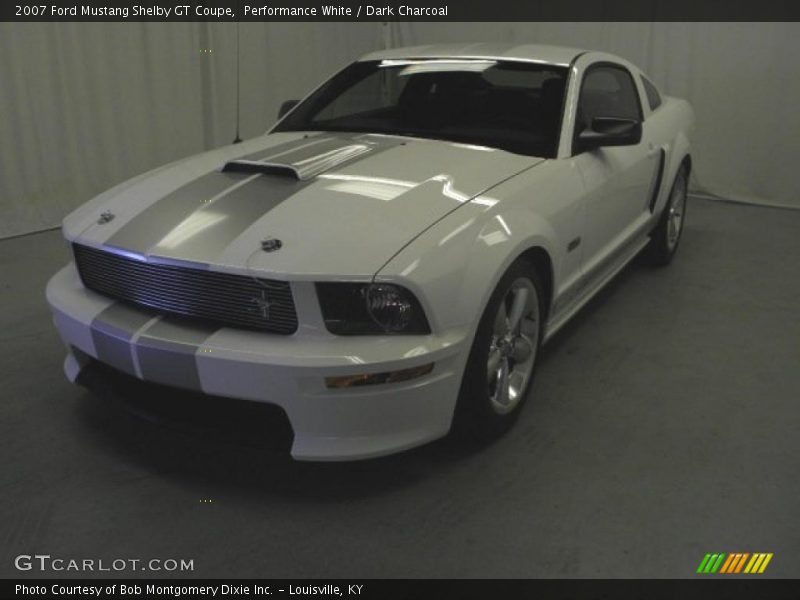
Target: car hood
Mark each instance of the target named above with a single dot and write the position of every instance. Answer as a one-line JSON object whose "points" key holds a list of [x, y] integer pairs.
{"points": [[341, 204]]}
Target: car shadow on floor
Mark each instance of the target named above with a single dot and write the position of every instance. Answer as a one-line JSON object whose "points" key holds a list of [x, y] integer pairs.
{"points": [[187, 437]]}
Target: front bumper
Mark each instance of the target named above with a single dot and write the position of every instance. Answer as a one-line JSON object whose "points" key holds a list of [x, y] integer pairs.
{"points": [[288, 371]]}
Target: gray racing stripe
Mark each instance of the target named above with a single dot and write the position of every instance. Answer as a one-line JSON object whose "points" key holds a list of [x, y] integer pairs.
{"points": [[150, 226], [157, 220], [308, 146], [199, 220], [166, 352], [154, 222], [220, 223], [112, 331], [306, 152], [212, 228], [279, 149]]}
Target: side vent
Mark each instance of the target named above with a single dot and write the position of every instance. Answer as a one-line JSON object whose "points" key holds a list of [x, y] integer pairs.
{"points": [[662, 159], [252, 166]]}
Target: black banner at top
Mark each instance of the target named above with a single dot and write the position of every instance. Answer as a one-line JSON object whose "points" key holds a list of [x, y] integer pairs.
{"points": [[394, 10]]}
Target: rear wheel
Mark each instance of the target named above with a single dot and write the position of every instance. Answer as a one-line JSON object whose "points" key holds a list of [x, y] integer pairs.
{"points": [[503, 356], [667, 235]]}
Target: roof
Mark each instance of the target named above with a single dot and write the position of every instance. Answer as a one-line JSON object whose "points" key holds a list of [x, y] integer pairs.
{"points": [[555, 55]]}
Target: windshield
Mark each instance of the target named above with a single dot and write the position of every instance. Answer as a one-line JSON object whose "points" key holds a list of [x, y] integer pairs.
{"points": [[515, 106]]}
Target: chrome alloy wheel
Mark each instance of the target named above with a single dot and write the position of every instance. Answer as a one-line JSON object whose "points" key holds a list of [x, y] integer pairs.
{"points": [[677, 205], [512, 349]]}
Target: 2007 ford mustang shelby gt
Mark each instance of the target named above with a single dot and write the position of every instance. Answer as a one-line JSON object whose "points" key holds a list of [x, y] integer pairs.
{"points": [[385, 263]]}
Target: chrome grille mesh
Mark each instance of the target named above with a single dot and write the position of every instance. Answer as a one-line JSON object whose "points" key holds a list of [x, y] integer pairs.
{"points": [[223, 298]]}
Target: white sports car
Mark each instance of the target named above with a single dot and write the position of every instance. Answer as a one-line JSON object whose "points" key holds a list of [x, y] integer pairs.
{"points": [[385, 263]]}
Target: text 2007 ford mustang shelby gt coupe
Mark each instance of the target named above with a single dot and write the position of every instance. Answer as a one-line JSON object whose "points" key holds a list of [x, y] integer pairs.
{"points": [[385, 263]]}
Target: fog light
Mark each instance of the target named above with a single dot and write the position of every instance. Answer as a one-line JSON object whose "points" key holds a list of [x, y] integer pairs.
{"points": [[348, 381]]}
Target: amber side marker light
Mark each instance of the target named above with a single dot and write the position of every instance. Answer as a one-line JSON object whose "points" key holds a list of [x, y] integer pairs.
{"points": [[348, 381]]}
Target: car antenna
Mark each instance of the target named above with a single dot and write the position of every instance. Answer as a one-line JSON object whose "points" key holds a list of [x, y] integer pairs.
{"points": [[237, 139]]}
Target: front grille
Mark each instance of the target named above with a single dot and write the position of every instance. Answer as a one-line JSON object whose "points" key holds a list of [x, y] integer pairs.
{"points": [[223, 298]]}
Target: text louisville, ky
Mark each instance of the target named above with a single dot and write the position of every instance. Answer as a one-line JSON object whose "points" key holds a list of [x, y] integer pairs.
{"points": [[185, 591]]}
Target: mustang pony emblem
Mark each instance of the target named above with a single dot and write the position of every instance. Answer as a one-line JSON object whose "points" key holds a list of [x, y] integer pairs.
{"points": [[263, 304]]}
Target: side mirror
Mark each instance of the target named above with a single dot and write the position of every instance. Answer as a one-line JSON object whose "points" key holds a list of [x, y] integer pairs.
{"points": [[286, 107], [610, 131]]}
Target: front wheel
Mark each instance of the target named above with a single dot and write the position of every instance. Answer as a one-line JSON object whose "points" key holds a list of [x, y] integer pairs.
{"points": [[665, 237], [503, 356]]}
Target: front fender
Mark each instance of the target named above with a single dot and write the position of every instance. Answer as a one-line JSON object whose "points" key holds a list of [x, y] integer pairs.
{"points": [[454, 266]]}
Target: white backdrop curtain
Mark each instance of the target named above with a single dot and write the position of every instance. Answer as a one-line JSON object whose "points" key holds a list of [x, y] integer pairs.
{"points": [[84, 106]]}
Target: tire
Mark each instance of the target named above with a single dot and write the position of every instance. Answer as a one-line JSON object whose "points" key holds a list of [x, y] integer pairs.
{"points": [[666, 236], [487, 407]]}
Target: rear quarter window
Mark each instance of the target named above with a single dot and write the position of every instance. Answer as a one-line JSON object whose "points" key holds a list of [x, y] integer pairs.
{"points": [[653, 97]]}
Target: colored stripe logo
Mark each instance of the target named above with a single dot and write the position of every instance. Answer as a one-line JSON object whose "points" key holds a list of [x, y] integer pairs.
{"points": [[736, 562]]}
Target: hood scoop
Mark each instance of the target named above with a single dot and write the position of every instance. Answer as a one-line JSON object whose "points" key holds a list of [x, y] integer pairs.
{"points": [[253, 166], [301, 168]]}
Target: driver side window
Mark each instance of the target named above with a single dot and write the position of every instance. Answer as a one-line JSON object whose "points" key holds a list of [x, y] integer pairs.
{"points": [[607, 91]]}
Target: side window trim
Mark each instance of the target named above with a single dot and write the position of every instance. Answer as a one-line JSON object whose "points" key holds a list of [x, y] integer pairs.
{"points": [[586, 72], [565, 105]]}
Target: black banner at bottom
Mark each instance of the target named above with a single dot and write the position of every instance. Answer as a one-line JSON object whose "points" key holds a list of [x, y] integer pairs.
{"points": [[389, 589]]}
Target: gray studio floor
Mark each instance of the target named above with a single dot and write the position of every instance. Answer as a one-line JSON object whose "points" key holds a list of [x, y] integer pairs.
{"points": [[664, 424]]}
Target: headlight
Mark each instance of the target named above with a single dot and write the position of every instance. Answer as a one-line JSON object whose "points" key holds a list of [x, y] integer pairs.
{"points": [[370, 309]]}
